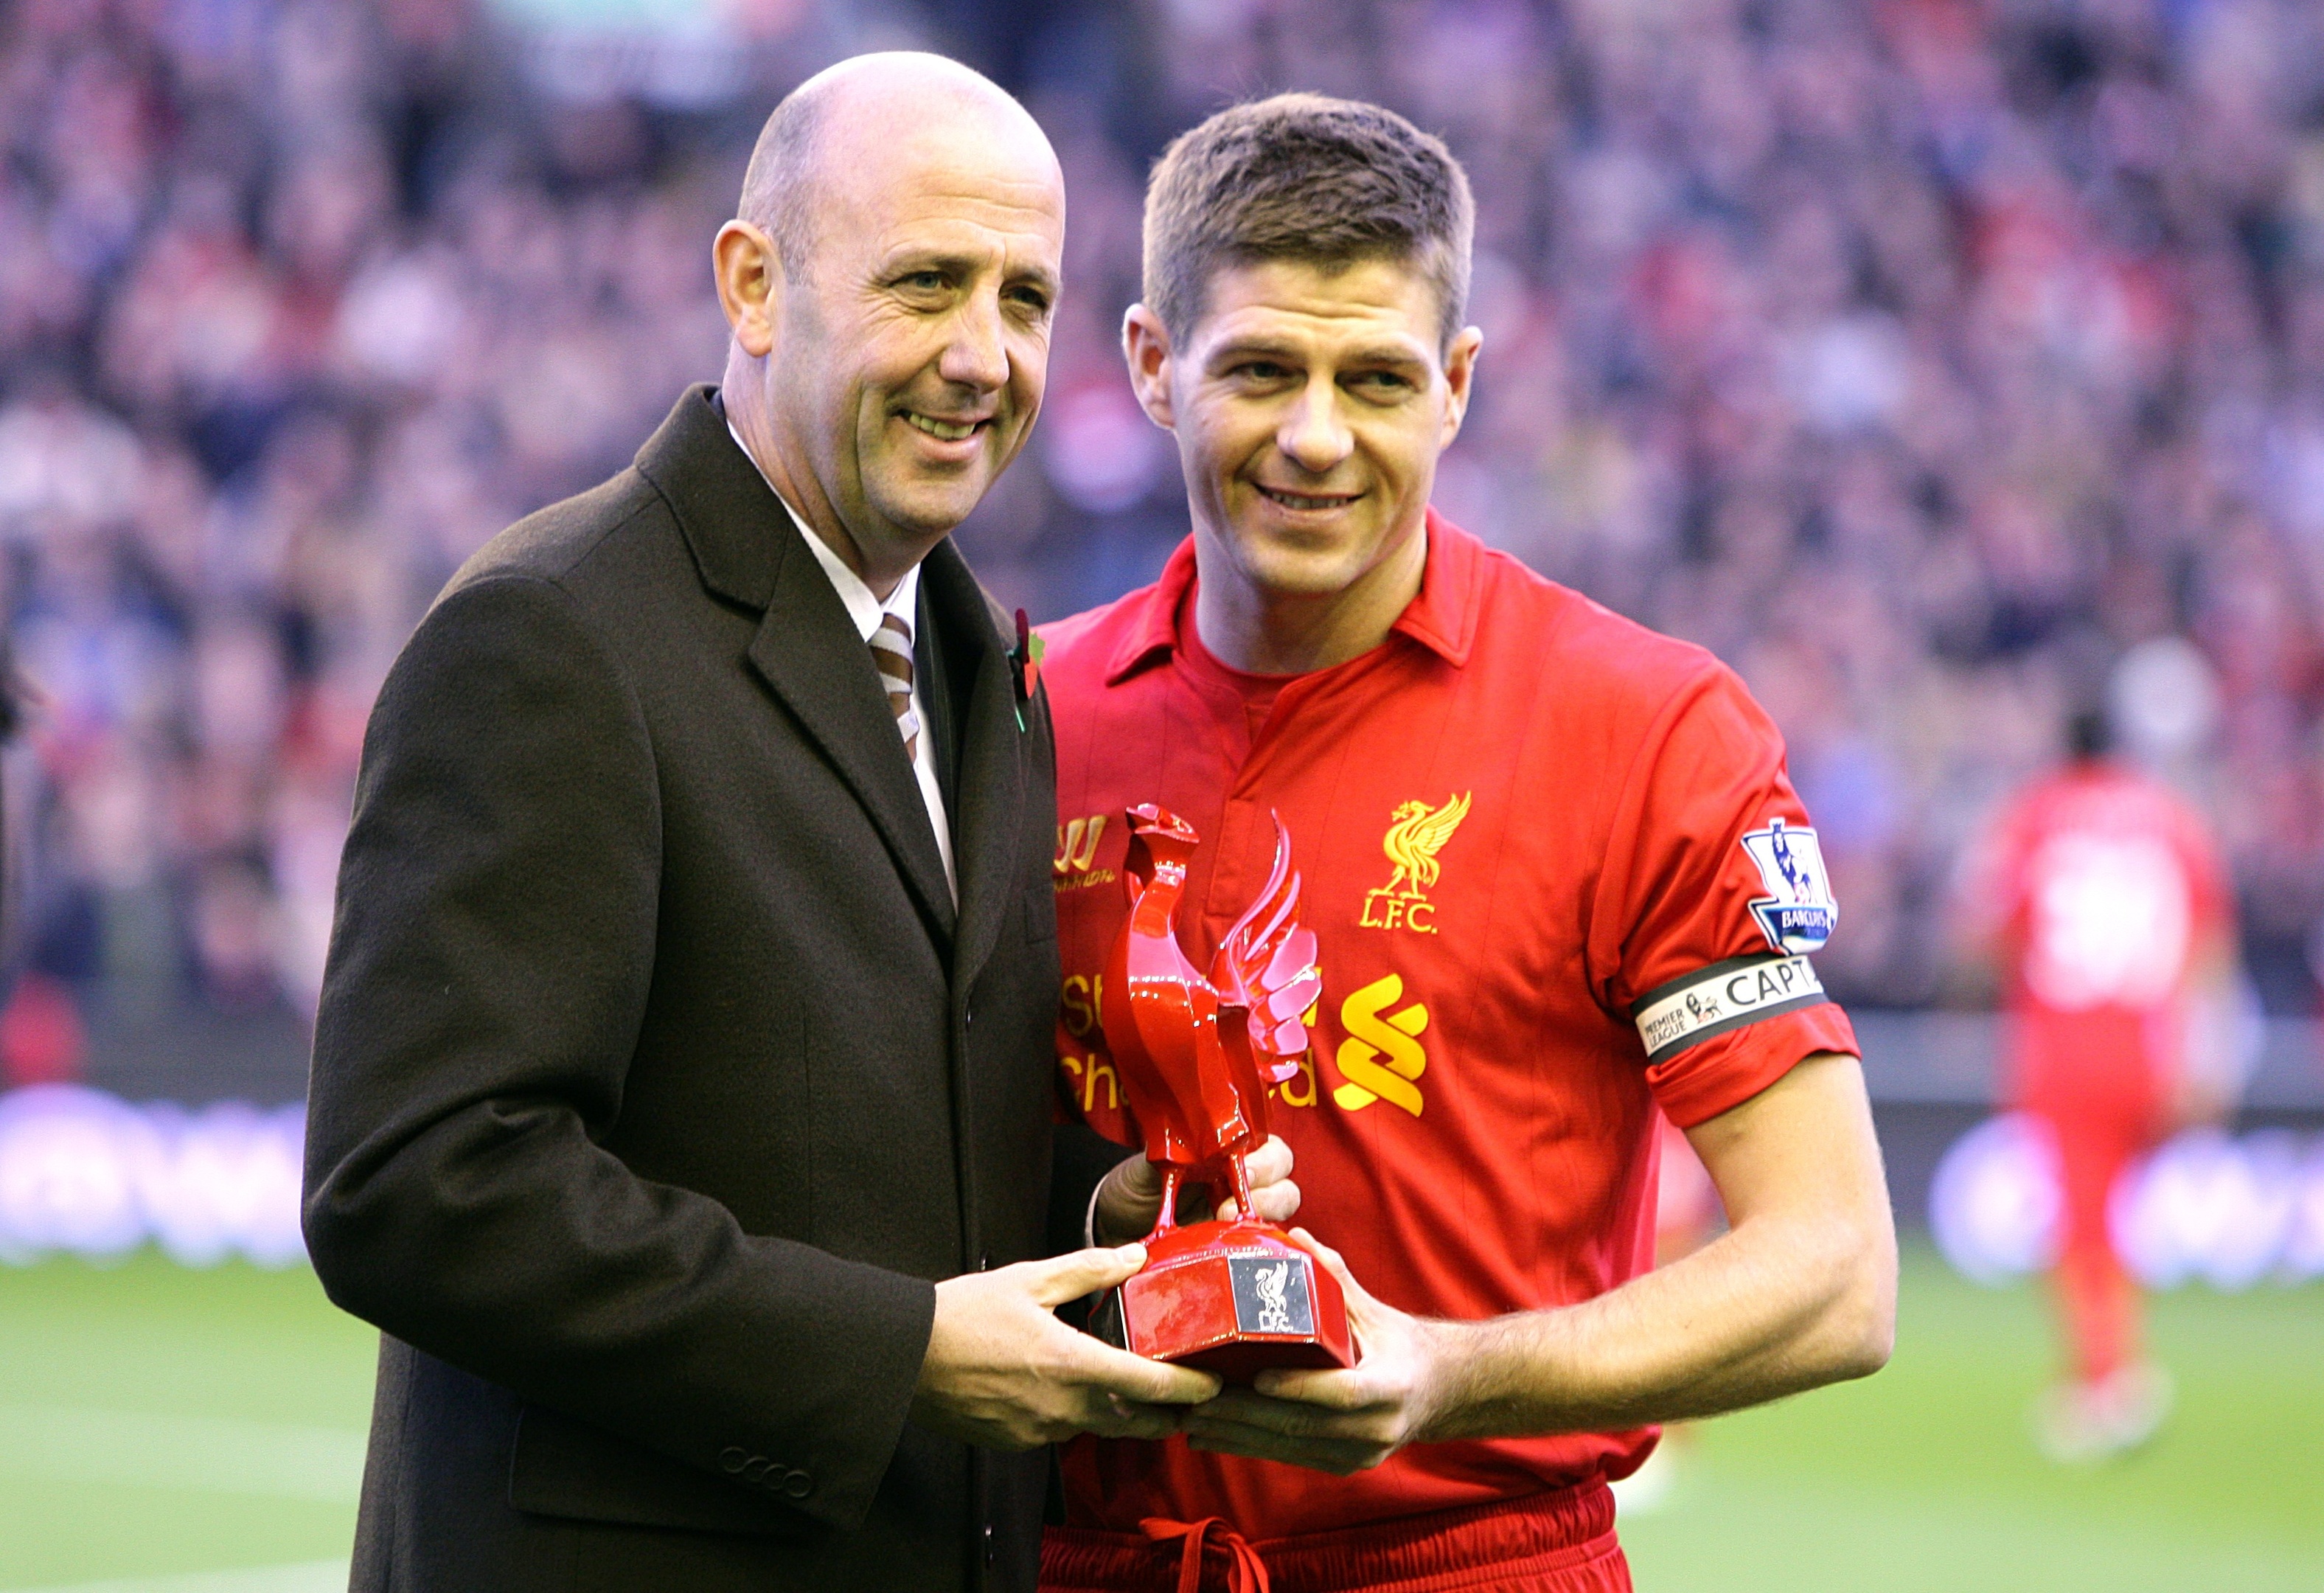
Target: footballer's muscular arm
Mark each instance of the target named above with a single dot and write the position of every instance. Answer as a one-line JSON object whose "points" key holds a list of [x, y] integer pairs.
{"points": [[1801, 1291]]}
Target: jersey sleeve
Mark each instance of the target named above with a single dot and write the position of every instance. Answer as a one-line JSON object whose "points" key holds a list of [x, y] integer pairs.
{"points": [[1713, 896]]}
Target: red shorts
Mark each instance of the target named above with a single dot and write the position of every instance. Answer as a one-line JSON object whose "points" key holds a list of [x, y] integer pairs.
{"points": [[1552, 1542]]}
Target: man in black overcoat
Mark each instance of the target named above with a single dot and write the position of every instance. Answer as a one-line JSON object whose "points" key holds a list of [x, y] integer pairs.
{"points": [[680, 1108]]}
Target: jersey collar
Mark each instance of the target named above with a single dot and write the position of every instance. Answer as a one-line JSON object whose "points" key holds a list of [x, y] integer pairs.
{"points": [[1443, 617]]}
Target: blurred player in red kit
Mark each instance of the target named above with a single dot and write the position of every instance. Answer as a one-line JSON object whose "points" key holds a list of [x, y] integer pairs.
{"points": [[1559, 879], [2101, 897]]}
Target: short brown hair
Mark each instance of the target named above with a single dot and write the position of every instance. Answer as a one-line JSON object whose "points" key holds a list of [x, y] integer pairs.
{"points": [[1305, 177]]}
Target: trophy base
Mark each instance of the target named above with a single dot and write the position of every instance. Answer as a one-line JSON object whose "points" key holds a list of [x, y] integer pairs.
{"points": [[1232, 1298]]}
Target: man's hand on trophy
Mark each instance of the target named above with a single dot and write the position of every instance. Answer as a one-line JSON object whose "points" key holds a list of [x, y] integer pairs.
{"points": [[1130, 1198], [1002, 1371], [1271, 1189], [1334, 1421]]}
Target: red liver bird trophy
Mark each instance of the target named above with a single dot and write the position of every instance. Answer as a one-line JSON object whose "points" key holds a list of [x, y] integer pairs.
{"points": [[1195, 1057]]}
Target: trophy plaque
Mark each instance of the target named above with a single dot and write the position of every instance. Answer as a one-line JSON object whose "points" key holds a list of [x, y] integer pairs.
{"points": [[1196, 1056]]}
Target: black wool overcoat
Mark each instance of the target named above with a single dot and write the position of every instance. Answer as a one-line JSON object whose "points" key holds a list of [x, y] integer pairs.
{"points": [[657, 1074]]}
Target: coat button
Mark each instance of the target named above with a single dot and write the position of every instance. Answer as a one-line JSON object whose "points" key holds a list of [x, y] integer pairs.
{"points": [[991, 1553], [799, 1485], [732, 1460]]}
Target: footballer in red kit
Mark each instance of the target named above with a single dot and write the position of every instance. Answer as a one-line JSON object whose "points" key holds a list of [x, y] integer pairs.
{"points": [[1520, 822], [1558, 877], [2103, 895]]}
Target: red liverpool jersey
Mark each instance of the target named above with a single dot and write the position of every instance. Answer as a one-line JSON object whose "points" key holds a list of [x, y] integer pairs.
{"points": [[2103, 887], [1558, 875]]}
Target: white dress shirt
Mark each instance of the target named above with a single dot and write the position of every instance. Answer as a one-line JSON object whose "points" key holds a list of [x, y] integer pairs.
{"points": [[865, 610]]}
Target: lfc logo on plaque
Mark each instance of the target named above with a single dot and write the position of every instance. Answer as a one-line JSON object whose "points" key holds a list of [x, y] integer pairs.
{"points": [[1195, 1057]]}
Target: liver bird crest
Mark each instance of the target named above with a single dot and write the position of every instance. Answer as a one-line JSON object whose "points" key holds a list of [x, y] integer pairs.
{"points": [[1417, 832]]}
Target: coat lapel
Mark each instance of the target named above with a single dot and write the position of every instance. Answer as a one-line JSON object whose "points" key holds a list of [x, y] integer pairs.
{"points": [[988, 820], [807, 649], [833, 690]]}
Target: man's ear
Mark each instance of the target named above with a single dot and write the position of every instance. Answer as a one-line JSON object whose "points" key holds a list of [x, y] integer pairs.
{"points": [[1146, 345], [1459, 377], [743, 261]]}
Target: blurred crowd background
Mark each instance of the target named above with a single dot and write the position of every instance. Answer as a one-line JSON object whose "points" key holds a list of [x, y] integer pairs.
{"points": [[1924, 358]]}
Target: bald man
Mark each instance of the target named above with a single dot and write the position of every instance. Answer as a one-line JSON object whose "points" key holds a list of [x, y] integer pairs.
{"points": [[680, 1100]]}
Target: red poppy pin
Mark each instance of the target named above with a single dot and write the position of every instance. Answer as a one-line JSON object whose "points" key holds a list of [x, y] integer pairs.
{"points": [[1027, 658]]}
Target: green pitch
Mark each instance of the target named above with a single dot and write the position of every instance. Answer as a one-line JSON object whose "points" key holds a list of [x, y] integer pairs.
{"points": [[173, 1431], [156, 1421], [1925, 1478]]}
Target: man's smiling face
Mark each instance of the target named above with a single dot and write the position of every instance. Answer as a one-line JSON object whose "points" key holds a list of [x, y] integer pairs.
{"points": [[914, 345], [1309, 406]]}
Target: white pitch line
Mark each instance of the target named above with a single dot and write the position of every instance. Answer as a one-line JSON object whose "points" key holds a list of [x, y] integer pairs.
{"points": [[208, 1454], [318, 1576]]}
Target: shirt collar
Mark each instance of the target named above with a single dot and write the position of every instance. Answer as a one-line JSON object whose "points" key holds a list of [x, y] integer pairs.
{"points": [[1441, 616], [862, 606]]}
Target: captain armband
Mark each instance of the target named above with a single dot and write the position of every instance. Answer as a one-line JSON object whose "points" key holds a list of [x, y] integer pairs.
{"points": [[1724, 995]]}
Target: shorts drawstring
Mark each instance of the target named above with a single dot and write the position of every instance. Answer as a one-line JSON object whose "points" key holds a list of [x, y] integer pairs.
{"points": [[1247, 1574]]}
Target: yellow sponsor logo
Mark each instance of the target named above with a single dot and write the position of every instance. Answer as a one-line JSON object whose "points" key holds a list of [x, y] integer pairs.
{"points": [[1417, 832], [1382, 1056], [1087, 1073], [1078, 851], [1081, 1004], [1299, 1089], [1078, 1005]]}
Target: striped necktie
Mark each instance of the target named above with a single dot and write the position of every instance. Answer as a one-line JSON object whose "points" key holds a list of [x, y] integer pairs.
{"points": [[892, 651]]}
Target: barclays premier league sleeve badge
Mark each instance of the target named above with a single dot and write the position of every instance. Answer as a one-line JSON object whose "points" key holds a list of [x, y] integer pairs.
{"points": [[1796, 915], [1798, 911]]}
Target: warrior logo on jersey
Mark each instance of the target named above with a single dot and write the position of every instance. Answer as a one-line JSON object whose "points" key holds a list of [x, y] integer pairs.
{"points": [[1798, 911], [1077, 852], [1417, 832]]}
